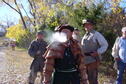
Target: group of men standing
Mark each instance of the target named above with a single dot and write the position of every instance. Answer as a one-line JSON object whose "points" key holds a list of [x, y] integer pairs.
{"points": [[69, 62]]}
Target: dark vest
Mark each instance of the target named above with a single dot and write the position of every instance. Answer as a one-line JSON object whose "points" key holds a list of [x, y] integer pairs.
{"points": [[67, 63]]}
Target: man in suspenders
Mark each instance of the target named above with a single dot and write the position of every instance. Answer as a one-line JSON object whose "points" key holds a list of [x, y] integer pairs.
{"points": [[93, 45]]}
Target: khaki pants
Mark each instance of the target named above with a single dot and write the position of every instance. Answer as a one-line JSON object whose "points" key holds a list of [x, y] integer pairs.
{"points": [[92, 71]]}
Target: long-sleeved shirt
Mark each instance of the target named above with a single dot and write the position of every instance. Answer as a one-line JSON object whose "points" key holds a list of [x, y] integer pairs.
{"points": [[37, 45], [93, 41], [97, 38], [38, 62]]}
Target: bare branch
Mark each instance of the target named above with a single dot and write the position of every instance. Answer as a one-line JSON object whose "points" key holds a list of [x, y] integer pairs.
{"points": [[20, 14], [10, 6], [27, 15], [33, 7], [30, 4]]}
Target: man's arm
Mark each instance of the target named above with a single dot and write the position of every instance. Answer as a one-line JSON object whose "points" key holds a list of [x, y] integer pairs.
{"points": [[82, 70], [48, 69], [31, 49], [115, 49], [82, 67], [102, 43]]}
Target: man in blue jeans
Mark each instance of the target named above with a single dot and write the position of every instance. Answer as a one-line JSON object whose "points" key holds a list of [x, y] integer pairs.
{"points": [[119, 54]]}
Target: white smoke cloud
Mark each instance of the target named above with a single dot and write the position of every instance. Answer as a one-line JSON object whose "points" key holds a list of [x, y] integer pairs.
{"points": [[55, 36], [59, 37]]}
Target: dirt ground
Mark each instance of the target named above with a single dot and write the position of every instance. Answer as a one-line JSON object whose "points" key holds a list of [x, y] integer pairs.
{"points": [[15, 65]]}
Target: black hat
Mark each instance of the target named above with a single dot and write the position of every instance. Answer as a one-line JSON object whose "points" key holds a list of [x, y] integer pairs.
{"points": [[64, 26], [40, 33], [76, 29], [84, 21]]}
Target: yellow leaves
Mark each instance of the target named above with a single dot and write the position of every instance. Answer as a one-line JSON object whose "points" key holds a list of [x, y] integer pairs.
{"points": [[114, 3], [71, 14], [117, 1], [42, 7], [45, 10], [61, 7], [116, 10], [55, 24], [48, 20], [38, 1], [15, 32], [51, 13], [33, 11], [115, 6]]}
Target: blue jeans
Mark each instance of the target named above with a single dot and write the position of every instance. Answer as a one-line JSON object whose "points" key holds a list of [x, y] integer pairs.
{"points": [[121, 68]]}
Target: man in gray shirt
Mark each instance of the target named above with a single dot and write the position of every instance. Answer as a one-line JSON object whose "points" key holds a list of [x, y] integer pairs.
{"points": [[93, 45]]}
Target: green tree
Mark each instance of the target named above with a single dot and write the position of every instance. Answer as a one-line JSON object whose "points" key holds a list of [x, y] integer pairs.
{"points": [[80, 11]]}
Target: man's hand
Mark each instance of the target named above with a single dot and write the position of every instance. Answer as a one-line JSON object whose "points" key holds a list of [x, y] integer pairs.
{"points": [[38, 52], [117, 59], [94, 54]]}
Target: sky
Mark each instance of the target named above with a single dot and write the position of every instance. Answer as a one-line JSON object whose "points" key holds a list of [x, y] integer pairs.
{"points": [[6, 13], [123, 4]]}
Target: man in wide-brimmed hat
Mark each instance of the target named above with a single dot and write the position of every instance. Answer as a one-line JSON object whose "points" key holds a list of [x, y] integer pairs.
{"points": [[93, 44], [64, 60]]}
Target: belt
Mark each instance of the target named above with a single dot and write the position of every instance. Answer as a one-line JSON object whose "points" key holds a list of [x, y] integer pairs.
{"points": [[88, 53], [69, 70]]}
